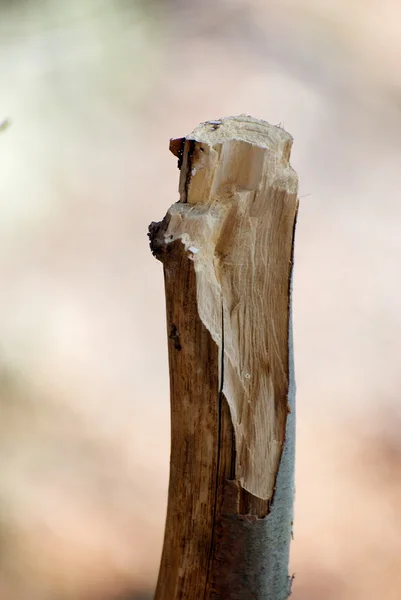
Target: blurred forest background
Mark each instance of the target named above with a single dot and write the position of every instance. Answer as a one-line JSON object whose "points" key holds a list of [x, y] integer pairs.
{"points": [[93, 90]]}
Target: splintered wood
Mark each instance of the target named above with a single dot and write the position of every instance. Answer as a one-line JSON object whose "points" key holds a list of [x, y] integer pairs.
{"points": [[226, 249]]}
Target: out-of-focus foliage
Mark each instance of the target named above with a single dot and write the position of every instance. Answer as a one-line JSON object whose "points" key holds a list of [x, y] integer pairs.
{"points": [[91, 92]]}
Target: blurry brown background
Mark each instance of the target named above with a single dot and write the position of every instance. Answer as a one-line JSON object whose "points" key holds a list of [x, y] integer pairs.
{"points": [[94, 89]]}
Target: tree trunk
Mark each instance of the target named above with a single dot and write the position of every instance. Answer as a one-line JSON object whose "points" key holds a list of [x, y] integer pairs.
{"points": [[227, 249]]}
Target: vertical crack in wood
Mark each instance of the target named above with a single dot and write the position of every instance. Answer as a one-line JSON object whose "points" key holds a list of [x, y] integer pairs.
{"points": [[186, 162], [219, 450]]}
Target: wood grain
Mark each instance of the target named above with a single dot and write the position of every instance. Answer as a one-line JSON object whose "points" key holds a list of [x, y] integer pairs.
{"points": [[226, 248]]}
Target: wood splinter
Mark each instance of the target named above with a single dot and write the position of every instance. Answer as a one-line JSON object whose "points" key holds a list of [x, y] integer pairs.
{"points": [[227, 249]]}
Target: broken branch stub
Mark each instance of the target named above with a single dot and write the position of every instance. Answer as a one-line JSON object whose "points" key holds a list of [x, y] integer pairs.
{"points": [[226, 249]]}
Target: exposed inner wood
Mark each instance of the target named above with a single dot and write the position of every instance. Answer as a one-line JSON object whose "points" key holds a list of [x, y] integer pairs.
{"points": [[226, 247]]}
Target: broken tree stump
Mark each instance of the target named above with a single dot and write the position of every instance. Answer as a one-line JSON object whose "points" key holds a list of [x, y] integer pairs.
{"points": [[227, 249]]}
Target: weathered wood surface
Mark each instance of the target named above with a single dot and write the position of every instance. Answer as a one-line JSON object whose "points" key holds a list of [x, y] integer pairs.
{"points": [[227, 249]]}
